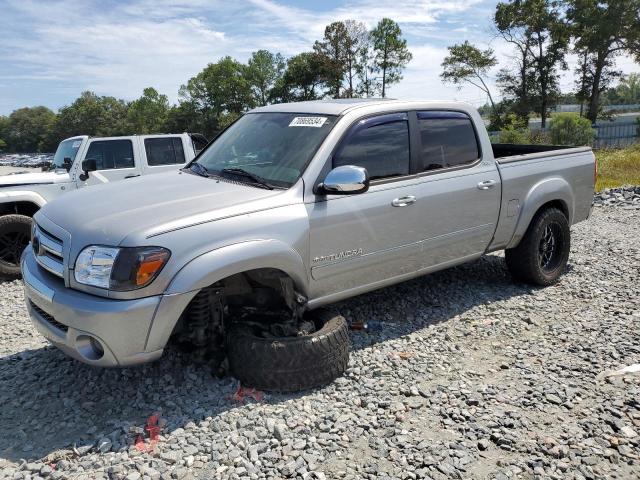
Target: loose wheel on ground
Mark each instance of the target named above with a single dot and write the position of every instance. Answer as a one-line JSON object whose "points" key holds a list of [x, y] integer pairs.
{"points": [[543, 252], [15, 233], [290, 363]]}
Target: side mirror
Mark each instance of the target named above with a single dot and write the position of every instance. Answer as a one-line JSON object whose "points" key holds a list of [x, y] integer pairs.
{"points": [[345, 180], [67, 163], [88, 165]]}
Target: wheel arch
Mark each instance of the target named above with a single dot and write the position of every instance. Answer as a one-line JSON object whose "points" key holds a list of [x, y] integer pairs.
{"points": [[550, 193], [20, 207]]}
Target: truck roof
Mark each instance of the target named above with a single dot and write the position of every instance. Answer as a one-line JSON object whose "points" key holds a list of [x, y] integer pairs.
{"points": [[340, 106]]}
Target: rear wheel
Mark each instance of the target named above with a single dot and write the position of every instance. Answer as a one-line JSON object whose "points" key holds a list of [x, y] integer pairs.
{"points": [[289, 363], [15, 233], [543, 252]]}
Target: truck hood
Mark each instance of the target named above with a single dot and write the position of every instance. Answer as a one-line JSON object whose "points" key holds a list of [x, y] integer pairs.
{"points": [[33, 178], [130, 211]]}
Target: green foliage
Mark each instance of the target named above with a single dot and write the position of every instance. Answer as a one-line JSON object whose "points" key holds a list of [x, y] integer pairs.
{"points": [[303, 79], [29, 129], [390, 52], [91, 114], [148, 114], [602, 29], [3, 145], [468, 64], [264, 71], [541, 36], [617, 167], [570, 129], [332, 54], [626, 92]]}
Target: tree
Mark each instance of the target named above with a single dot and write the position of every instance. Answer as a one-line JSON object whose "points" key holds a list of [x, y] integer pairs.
{"points": [[466, 63], [185, 117], [29, 129], [357, 40], [4, 131], [391, 55], [221, 88], [627, 91], [602, 29], [536, 29], [264, 70], [303, 78], [91, 114], [148, 114], [368, 84], [332, 54]]}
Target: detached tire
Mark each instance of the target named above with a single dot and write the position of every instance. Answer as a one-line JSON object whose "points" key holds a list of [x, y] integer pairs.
{"points": [[288, 364], [15, 234], [543, 252]]}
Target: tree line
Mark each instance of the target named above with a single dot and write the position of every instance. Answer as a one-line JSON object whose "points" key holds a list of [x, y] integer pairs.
{"points": [[542, 33], [349, 61]]}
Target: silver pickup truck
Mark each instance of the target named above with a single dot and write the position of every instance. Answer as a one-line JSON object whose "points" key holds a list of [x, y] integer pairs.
{"points": [[293, 207]]}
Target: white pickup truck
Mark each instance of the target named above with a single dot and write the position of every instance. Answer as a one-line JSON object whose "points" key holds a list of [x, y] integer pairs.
{"points": [[110, 159]]}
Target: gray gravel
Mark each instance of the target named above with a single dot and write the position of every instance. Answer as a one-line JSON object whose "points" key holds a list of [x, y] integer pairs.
{"points": [[461, 374]]}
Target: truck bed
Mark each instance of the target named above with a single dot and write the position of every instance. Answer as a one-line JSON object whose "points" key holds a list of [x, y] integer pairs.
{"points": [[508, 152]]}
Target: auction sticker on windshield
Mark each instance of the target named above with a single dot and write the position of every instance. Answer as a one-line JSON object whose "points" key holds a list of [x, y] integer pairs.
{"points": [[308, 122]]}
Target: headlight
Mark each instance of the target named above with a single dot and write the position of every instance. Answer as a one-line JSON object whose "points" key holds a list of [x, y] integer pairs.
{"points": [[119, 268]]}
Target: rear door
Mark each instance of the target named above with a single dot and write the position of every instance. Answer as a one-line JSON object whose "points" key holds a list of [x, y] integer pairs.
{"points": [[458, 191], [164, 153], [115, 160]]}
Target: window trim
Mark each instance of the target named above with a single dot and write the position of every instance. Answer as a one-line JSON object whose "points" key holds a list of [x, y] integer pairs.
{"points": [[146, 155], [105, 140], [368, 121], [448, 169]]}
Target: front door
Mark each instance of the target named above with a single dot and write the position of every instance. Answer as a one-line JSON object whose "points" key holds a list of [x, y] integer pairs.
{"points": [[115, 160], [362, 239]]}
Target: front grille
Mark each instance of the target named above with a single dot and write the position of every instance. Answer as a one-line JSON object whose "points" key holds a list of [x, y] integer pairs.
{"points": [[48, 251], [49, 318]]}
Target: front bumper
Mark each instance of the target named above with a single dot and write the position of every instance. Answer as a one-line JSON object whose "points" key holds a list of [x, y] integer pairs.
{"points": [[95, 330]]}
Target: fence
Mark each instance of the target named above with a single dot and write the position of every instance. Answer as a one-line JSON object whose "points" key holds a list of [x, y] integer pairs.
{"points": [[609, 135]]}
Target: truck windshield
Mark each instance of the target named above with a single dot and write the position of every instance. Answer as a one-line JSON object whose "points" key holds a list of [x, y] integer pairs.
{"points": [[275, 147], [66, 149]]}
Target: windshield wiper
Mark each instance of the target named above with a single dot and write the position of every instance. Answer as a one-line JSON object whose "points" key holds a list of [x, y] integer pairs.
{"points": [[197, 169], [241, 172]]}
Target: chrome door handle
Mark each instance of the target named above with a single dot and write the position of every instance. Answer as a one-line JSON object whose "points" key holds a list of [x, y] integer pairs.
{"points": [[486, 185], [403, 201]]}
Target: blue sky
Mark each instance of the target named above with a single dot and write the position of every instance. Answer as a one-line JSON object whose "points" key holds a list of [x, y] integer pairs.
{"points": [[51, 50]]}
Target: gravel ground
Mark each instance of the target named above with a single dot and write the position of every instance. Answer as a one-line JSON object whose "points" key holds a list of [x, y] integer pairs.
{"points": [[461, 374]]}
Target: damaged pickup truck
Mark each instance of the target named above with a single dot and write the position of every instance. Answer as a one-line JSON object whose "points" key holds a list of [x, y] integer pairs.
{"points": [[293, 207]]}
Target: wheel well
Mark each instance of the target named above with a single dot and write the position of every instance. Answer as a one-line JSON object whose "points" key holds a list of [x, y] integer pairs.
{"points": [[263, 291], [559, 204], [22, 208]]}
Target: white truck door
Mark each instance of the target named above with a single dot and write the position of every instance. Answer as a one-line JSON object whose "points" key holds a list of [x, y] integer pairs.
{"points": [[116, 159], [165, 152], [459, 190]]}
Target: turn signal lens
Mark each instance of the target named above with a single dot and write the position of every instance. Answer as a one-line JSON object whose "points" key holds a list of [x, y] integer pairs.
{"points": [[138, 267], [148, 268]]}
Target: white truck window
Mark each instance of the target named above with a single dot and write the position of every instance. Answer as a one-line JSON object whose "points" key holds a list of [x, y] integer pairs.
{"points": [[448, 140], [111, 154], [164, 151]]}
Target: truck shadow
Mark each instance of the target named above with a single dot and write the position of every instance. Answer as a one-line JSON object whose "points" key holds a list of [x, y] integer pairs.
{"points": [[49, 401]]}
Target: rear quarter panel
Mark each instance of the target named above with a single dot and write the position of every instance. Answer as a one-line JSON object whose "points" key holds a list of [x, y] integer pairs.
{"points": [[530, 182]]}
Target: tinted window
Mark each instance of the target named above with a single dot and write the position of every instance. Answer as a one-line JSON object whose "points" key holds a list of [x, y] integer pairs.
{"points": [[382, 149], [448, 140], [164, 151], [199, 142], [274, 146], [110, 154]]}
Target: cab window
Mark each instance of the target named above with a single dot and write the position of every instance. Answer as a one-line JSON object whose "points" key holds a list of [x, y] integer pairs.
{"points": [[111, 154], [164, 151], [448, 139], [379, 144]]}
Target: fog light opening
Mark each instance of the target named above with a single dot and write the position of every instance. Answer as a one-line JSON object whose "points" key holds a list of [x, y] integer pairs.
{"points": [[89, 347]]}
